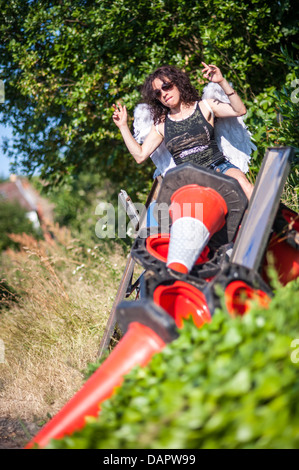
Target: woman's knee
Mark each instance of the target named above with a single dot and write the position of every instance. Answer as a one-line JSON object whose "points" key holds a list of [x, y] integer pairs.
{"points": [[241, 178]]}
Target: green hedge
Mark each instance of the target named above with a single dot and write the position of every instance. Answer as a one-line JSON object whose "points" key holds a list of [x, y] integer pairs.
{"points": [[232, 384]]}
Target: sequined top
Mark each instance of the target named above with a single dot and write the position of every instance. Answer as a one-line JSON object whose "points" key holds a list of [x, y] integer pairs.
{"points": [[192, 140]]}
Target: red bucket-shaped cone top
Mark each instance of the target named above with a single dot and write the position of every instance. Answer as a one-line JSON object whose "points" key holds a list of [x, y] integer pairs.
{"points": [[182, 300], [157, 245], [239, 297]]}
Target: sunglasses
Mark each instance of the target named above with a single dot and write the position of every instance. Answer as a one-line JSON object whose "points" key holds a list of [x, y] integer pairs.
{"points": [[165, 87]]}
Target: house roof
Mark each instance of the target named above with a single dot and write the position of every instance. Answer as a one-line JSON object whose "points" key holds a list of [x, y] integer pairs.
{"points": [[21, 191], [14, 191]]}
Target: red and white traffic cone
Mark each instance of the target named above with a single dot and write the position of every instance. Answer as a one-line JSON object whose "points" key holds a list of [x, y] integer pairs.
{"points": [[197, 213]]}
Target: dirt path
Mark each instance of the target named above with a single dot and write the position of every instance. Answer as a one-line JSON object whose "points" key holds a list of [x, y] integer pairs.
{"points": [[14, 433]]}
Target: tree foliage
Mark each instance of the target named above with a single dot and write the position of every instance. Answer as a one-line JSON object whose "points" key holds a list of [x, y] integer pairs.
{"points": [[65, 63]]}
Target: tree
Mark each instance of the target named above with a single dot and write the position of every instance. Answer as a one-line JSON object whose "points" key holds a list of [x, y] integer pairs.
{"points": [[13, 220], [65, 63]]}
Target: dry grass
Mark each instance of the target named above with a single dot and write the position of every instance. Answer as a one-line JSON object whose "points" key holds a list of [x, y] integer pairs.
{"points": [[65, 293]]}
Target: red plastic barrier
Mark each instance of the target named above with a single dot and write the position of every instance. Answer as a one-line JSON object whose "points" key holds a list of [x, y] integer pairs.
{"points": [[136, 347], [181, 300], [285, 258], [292, 218]]}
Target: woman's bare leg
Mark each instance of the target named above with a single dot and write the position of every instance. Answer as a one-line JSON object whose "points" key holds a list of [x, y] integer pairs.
{"points": [[244, 183]]}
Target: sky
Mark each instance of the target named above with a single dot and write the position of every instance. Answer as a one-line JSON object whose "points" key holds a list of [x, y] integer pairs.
{"points": [[4, 161], [4, 132]]}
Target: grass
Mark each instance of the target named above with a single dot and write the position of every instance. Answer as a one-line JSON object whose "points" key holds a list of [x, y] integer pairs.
{"points": [[290, 195], [63, 293]]}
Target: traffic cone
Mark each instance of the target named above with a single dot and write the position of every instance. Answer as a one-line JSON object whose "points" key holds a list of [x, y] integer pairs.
{"points": [[135, 348], [197, 213]]}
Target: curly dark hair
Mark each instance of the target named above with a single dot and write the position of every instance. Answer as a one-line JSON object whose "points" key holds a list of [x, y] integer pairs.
{"points": [[180, 79]]}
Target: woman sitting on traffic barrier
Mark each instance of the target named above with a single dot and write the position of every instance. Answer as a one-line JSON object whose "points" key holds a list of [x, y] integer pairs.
{"points": [[184, 122]]}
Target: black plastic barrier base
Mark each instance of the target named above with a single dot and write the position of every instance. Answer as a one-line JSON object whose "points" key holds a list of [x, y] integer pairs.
{"points": [[234, 273], [207, 269], [147, 313]]}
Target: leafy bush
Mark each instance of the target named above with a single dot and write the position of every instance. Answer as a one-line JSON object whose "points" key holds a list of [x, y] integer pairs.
{"points": [[232, 384], [273, 118]]}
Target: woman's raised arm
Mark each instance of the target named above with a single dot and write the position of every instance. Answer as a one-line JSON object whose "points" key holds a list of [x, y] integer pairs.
{"points": [[139, 152], [236, 106]]}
